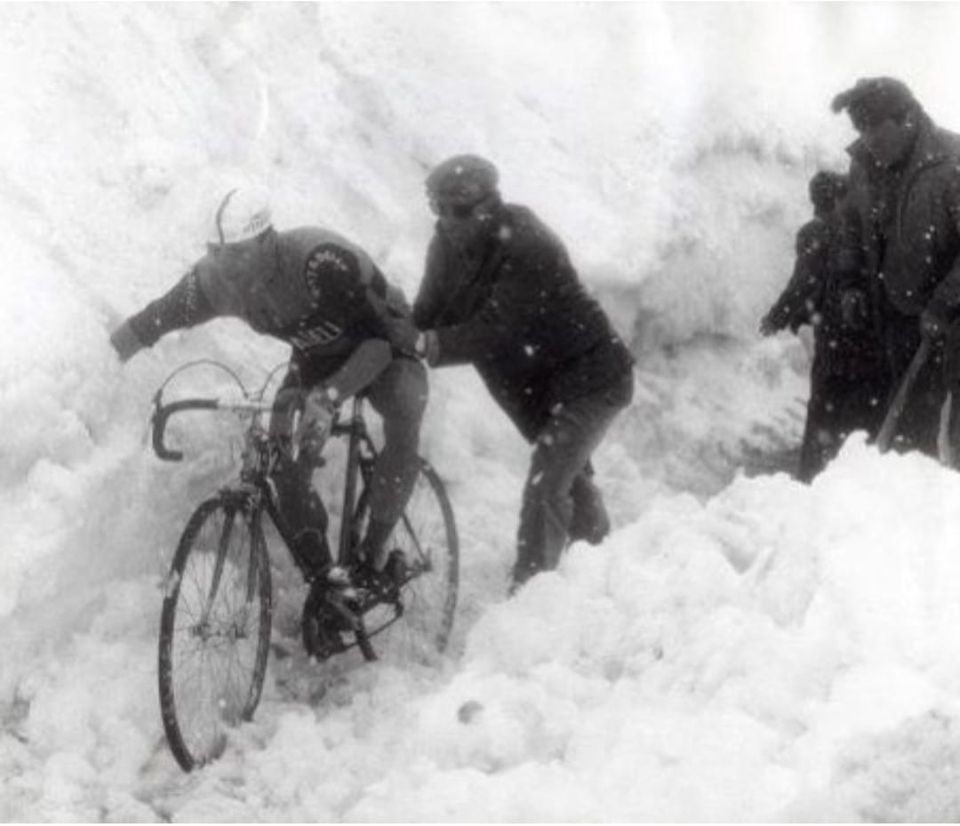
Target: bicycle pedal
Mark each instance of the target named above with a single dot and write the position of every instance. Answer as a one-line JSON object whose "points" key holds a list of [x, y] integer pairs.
{"points": [[338, 576], [396, 568], [346, 607]]}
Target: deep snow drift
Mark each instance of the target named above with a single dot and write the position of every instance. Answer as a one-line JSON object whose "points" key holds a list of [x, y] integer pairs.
{"points": [[742, 648]]}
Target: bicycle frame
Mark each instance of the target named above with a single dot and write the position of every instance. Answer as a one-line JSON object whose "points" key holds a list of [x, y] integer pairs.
{"points": [[360, 455], [256, 491], [226, 533], [356, 430]]}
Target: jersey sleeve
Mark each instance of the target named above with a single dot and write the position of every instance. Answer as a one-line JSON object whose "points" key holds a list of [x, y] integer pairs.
{"points": [[185, 305]]}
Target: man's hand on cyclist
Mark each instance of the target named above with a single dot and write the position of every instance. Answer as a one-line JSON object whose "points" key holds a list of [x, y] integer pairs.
{"points": [[408, 339], [316, 419], [403, 334]]}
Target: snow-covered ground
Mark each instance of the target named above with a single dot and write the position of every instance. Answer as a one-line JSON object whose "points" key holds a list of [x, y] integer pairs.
{"points": [[742, 648]]}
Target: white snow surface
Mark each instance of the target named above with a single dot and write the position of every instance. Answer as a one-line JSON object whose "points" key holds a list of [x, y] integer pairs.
{"points": [[741, 648]]}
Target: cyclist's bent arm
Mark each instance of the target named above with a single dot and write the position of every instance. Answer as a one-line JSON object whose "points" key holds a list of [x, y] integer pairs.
{"points": [[183, 306], [367, 362]]}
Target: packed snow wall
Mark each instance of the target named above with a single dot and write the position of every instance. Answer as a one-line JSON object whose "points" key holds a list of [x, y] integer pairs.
{"points": [[677, 205]]}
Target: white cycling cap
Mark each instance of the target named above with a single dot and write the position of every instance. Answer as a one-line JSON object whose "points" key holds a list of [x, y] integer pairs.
{"points": [[241, 213]]}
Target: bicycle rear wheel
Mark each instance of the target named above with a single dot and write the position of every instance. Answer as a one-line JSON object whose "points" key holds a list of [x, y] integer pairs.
{"points": [[214, 630], [418, 625]]}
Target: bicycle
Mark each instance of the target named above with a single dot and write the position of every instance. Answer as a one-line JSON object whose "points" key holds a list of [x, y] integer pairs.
{"points": [[217, 610]]}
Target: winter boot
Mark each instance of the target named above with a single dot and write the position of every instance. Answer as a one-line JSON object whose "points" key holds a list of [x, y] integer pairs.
{"points": [[382, 571], [590, 518], [310, 549]]}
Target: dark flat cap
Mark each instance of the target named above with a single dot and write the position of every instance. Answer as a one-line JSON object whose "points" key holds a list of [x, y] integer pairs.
{"points": [[826, 187], [463, 180], [874, 99]]}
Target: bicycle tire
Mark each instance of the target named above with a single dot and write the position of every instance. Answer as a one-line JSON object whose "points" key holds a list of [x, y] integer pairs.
{"points": [[427, 535], [221, 556]]}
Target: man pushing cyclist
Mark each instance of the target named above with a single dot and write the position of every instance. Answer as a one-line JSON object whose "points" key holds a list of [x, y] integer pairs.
{"points": [[500, 292], [323, 295]]}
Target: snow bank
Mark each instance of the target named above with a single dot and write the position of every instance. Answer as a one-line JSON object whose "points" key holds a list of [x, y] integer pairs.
{"points": [[762, 656], [728, 661]]}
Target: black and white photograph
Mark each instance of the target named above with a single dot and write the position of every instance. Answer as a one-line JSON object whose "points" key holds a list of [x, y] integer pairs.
{"points": [[480, 412]]}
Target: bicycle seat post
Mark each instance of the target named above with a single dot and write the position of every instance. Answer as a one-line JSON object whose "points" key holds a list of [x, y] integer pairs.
{"points": [[356, 413]]}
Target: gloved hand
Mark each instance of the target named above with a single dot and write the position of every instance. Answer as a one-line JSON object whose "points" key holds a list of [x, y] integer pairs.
{"points": [[934, 320], [853, 309], [429, 346], [404, 335], [125, 341], [767, 326], [285, 405], [316, 419]]}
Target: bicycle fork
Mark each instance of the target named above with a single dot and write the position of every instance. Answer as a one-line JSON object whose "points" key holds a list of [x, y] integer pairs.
{"points": [[251, 514], [222, 546]]}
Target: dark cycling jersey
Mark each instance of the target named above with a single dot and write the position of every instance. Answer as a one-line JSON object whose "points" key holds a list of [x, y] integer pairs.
{"points": [[319, 292]]}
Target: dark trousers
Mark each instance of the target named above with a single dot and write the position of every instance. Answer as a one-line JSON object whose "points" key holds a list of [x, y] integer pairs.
{"points": [[399, 395], [919, 423], [838, 406], [560, 500], [951, 370]]}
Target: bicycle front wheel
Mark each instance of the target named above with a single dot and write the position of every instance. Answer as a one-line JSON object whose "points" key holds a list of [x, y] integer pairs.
{"points": [[427, 536], [214, 630]]}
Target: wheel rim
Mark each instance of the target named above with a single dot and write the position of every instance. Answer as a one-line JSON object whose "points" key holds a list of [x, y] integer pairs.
{"points": [[427, 539], [214, 655]]}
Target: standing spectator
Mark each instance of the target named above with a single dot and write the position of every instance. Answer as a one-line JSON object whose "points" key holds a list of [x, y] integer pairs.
{"points": [[500, 293], [912, 235], [847, 377]]}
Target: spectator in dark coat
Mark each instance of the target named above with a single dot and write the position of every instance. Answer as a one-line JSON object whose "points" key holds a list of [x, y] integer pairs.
{"points": [[913, 239], [500, 293], [848, 384]]}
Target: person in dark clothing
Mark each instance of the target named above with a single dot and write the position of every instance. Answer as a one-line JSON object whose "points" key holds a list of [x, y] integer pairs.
{"points": [[913, 240], [499, 292], [324, 296], [848, 382]]}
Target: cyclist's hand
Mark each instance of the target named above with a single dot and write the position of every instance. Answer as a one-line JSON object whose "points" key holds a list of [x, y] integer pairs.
{"points": [[316, 420], [125, 341]]}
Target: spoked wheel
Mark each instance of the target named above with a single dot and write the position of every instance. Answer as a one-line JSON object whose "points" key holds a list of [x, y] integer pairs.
{"points": [[418, 622], [214, 630]]}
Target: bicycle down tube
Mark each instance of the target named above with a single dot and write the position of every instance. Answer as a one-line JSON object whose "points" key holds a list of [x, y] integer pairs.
{"points": [[356, 428]]}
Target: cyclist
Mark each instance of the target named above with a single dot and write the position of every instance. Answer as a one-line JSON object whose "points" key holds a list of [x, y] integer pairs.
{"points": [[500, 292], [324, 296]]}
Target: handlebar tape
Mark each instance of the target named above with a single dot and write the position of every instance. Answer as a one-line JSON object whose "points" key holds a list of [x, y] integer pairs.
{"points": [[164, 412]]}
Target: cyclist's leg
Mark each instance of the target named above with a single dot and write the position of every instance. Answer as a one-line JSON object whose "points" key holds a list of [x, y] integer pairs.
{"points": [[300, 507], [399, 395]]}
